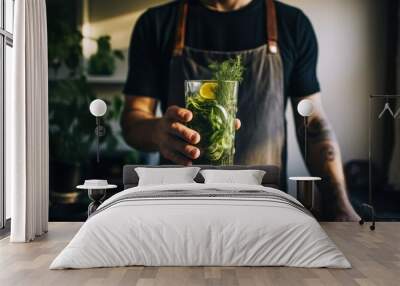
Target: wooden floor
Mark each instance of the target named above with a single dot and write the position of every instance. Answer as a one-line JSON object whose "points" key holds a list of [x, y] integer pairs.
{"points": [[375, 257]]}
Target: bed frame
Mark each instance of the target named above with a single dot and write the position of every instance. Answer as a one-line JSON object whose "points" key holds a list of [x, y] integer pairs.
{"points": [[270, 179]]}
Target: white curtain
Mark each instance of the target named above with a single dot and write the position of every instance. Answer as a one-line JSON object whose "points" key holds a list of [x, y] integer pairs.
{"points": [[27, 124]]}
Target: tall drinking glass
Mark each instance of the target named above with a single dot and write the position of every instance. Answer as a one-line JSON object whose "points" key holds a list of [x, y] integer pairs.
{"points": [[214, 106]]}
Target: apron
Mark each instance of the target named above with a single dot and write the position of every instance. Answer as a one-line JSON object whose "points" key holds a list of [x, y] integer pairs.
{"points": [[261, 138]]}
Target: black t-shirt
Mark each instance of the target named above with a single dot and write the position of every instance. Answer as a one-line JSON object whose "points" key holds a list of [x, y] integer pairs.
{"points": [[154, 34]]}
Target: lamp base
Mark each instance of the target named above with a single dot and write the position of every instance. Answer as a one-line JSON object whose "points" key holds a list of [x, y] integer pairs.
{"points": [[305, 193], [96, 196]]}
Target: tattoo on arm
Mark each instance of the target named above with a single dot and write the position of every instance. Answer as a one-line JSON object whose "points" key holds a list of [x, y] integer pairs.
{"points": [[327, 153], [318, 130], [322, 145]]}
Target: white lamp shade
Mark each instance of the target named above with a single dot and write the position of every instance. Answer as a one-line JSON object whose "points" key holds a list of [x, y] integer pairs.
{"points": [[98, 107], [305, 107]]}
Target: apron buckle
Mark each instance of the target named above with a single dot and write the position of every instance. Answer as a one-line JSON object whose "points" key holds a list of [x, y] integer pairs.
{"points": [[272, 47]]}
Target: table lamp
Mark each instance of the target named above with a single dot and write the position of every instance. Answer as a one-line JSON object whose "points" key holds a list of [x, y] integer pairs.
{"points": [[305, 108], [98, 108], [305, 185]]}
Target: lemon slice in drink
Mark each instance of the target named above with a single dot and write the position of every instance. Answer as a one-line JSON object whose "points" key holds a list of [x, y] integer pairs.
{"points": [[207, 90]]}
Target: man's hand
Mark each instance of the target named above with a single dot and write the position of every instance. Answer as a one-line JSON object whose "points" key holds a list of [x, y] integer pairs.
{"points": [[176, 141], [346, 212]]}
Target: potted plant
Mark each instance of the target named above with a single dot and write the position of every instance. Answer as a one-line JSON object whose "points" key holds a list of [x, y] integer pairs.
{"points": [[103, 62]]}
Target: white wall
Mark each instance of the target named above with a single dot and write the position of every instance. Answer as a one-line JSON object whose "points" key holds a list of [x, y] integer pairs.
{"points": [[351, 67]]}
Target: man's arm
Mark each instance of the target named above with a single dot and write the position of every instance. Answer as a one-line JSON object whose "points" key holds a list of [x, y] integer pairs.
{"points": [[168, 134], [138, 122], [324, 160]]}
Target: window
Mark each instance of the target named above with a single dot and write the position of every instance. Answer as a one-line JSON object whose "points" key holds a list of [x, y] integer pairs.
{"points": [[6, 44]]}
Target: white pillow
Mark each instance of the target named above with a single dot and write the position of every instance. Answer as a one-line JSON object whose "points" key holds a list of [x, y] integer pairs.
{"points": [[248, 177], [166, 176]]}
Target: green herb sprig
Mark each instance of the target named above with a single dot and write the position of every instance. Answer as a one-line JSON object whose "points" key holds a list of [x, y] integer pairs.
{"points": [[231, 69]]}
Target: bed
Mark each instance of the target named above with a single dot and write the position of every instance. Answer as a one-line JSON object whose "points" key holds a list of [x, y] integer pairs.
{"points": [[197, 224]]}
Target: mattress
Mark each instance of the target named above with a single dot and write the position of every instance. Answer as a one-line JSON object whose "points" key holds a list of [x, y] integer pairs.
{"points": [[201, 225]]}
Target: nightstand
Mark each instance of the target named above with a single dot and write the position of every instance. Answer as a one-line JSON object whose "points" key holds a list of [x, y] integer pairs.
{"points": [[97, 190], [305, 188]]}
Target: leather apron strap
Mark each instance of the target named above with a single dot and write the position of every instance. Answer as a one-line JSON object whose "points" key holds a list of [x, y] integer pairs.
{"points": [[271, 25], [181, 28]]}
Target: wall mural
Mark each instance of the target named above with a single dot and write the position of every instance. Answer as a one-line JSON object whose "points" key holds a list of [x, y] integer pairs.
{"points": [[237, 102], [77, 77]]}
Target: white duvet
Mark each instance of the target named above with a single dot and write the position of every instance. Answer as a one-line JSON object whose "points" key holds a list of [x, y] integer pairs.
{"points": [[203, 231]]}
